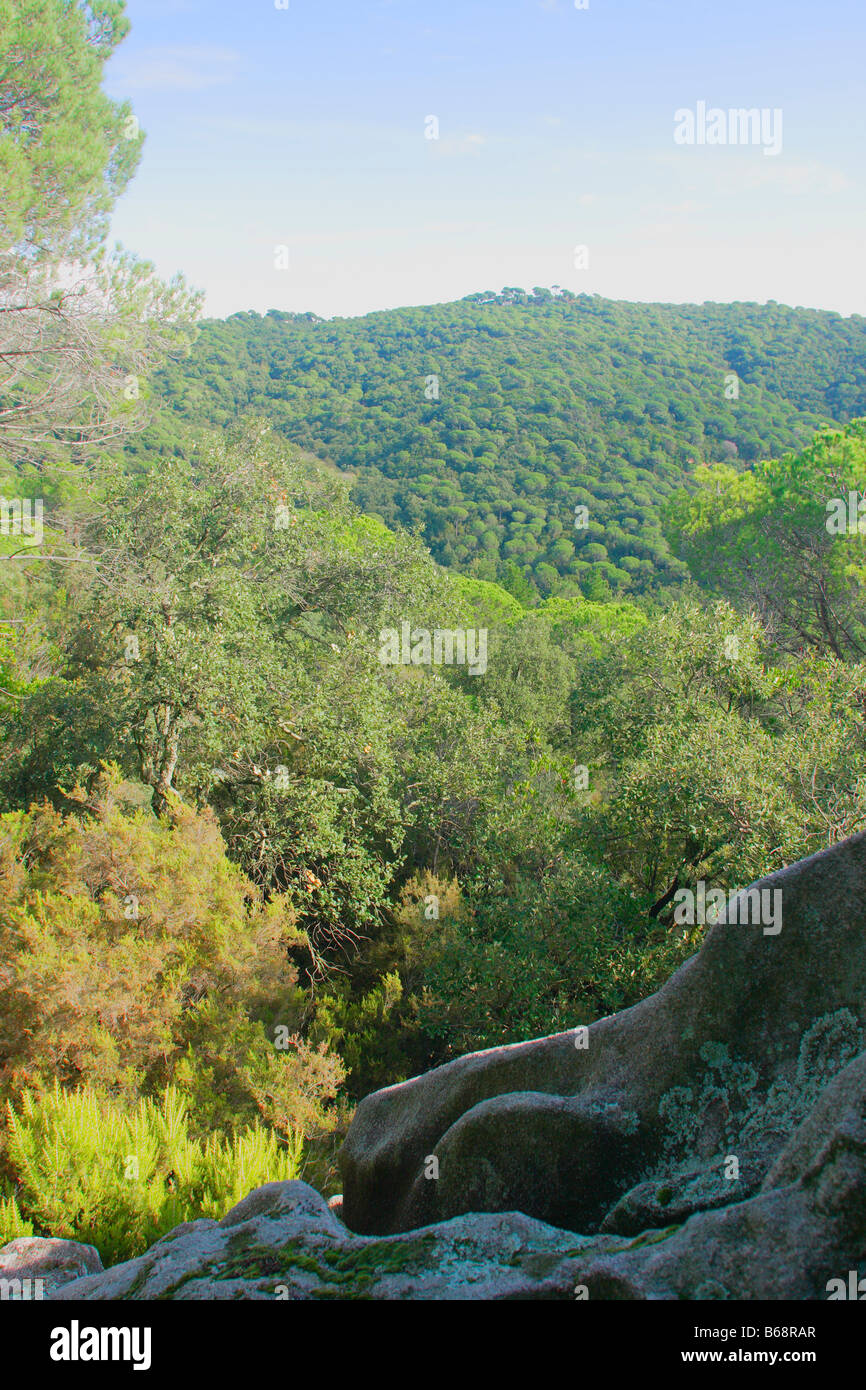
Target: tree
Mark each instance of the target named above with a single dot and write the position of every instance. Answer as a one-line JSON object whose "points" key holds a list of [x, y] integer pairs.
{"points": [[765, 540], [79, 326], [222, 645], [709, 760], [133, 955], [539, 410], [211, 583]]}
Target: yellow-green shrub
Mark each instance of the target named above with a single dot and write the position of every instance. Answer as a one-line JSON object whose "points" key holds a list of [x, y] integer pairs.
{"points": [[135, 956], [87, 1168]]}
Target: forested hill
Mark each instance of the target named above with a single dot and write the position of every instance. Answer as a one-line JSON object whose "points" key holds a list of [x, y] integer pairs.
{"points": [[490, 420]]}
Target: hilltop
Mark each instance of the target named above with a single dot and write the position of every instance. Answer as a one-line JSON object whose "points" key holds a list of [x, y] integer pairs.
{"points": [[489, 421]]}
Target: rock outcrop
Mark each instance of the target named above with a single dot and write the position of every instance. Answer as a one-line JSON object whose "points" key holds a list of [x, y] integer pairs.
{"points": [[283, 1242], [721, 1063], [709, 1143], [804, 1227], [34, 1267]]}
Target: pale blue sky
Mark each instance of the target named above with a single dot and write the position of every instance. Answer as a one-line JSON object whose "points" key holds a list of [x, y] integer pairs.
{"points": [[305, 127]]}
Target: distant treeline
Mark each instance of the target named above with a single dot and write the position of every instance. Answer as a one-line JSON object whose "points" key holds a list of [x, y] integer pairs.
{"points": [[488, 422]]}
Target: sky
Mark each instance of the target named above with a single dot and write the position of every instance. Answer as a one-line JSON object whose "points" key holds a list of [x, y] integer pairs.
{"points": [[289, 159]]}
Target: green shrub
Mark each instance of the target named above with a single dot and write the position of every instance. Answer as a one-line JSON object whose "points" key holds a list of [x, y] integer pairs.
{"points": [[12, 1223], [135, 956], [88, 1169]]}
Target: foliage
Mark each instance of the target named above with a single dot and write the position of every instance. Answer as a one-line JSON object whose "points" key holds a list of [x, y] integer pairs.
{"points": [[12, 1224], [63, 156], [89, 1169], [553, 948], [80, 326], [769, 539], [710, 761], [249, 870], [546, 404], [133, 955]]}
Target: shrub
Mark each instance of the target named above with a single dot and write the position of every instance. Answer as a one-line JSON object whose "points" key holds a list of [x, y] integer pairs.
{"points": [[12, 1223], [134, 956], [86, 1168]]}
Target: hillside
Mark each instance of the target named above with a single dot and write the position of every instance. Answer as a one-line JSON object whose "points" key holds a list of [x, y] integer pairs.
{"points": [[487, 422]]}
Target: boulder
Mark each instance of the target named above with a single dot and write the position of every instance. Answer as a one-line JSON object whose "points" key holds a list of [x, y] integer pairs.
{"points": [[709, 1143], [673, 1197], [33, 1267], [722, 1062], [283, 1243], [804, 1227]]}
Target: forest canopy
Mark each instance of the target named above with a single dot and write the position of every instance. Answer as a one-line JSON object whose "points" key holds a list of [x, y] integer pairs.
{"points": [[534, 438], [249, 869]]}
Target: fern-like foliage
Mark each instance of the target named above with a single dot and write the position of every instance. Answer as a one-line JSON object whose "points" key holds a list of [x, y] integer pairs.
{"points": [[87, 1169]]}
